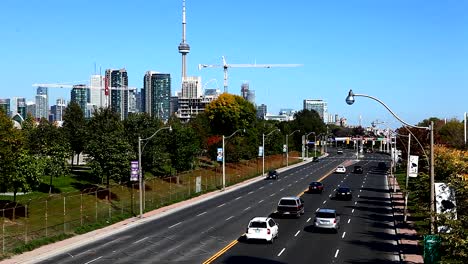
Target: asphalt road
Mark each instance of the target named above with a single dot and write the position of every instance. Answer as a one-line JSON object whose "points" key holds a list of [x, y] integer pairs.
{"points": [[367, 233], [195, 234]]}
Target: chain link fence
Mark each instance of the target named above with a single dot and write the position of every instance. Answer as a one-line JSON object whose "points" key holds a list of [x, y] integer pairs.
{"points": [[71, 213]]}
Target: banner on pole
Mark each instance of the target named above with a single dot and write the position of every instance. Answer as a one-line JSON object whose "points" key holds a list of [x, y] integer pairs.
{"points": [[413, 169], [260, 151], [219, 157], [134, 170]]}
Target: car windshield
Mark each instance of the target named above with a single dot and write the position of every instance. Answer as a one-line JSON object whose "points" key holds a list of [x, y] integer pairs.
{"points": [[343, 190], [258, 224], [325, 215], [287, 202], [272, 172], [315, 184]]}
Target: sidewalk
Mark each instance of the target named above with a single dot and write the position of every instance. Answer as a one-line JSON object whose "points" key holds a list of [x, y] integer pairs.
{"points": [[410, 251]]}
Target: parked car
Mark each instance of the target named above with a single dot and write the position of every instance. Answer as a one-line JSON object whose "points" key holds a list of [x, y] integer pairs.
{"points": [[273, 174], [343, 193], [264, 228], [327, 219], [358, 169], [316, 187], [339, 151], [290, 206], [340, 169], [315, 159]]}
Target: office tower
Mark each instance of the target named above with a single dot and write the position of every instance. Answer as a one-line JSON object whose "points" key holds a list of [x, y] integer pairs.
{"points": [[191, 87], [116, 86], [132, 101], [184, 47], [174, 105], [79, 95], [96, 93], [140, 102], [317, 105], [245, 90], [261, 111], [5, 106], [157, 94], [42, 103], [58, 109], [30, 109]]}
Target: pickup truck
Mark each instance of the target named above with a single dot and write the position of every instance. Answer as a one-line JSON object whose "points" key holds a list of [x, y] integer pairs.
{"points": [[290, 206]]}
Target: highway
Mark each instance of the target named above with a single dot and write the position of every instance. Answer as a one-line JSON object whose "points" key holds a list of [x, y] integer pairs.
{"points": [[212, 230]]}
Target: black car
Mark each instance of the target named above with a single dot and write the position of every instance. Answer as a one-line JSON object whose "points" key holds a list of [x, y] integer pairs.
{"points": [[382, 166], [315, 159], [358, 169], [316, 187], [273, 174], [343, 193]]}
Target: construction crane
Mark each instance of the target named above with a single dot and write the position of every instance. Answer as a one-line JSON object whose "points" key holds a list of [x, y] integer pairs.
{"points": [[82, 86], [225, 66]]}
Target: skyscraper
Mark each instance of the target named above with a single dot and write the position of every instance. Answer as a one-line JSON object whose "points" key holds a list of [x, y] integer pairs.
{"points": [[261, 111], [157, 88], [96, 93], [118, 80], [191, 87], [79, 95], [319, 106], [58, 109], [42, 103], [5, 106]]}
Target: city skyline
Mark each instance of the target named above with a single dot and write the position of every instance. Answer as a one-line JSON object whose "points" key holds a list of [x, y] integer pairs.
{"points": [[412, 55]]}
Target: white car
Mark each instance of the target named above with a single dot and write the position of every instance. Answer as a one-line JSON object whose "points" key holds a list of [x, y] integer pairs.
{"points": [[264, 228], [340, 169]]}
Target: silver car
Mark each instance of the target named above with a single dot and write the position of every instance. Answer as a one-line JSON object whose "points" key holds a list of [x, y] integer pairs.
{"points": [[327, 219]]}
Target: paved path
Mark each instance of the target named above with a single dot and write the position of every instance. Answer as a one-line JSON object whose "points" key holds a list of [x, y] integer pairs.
{"points": [[410, 251]]}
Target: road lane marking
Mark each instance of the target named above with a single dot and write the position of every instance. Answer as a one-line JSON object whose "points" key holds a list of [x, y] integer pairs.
{"points": [[344, 233], [247, 208], [352, 211], [336, 254], [324, 202], [289, 185], [138, 241], [261, 201], [272, 194], [355, 203], [281, 252], [317, 210], [221, 205], [329, 195], [296, 181], [349, 220], [358, 196], [201, 214], [229, 217], [174, 247], [308, 220], [281, 189], [297, 233], [222, 251], [250, 192], [239, 197], [175, 225], [93, 260], [360, 190], [362, 186], [261, 188]]}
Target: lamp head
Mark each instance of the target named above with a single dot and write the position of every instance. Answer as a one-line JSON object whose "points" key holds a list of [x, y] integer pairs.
{"points": [[170, 128], [350, 98]]}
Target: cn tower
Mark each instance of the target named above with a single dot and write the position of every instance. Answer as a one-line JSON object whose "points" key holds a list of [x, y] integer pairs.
{"points": [[184, 48]]}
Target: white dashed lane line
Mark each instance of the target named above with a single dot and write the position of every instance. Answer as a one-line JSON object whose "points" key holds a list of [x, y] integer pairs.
{"points": [[261, 188], [344, 233], [201, 214], [221, 205], [250, 192], [272, 194], [336, 254], [297, 233], [175, 225], [261, 201], [308, 220], [324, 202], [349, 220], [239, 197], [281, 252], [229, 217], [138, 241], [352, 211], [247, 208], [93, 260], [281, 189]]}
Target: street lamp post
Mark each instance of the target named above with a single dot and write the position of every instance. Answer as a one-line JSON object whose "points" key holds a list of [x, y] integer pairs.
{"points": [[263, 149], [140, 179], [350, 100], [287, 146], [224, 156]]}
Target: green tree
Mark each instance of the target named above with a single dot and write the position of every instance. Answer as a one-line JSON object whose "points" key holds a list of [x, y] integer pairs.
{"points": [[183, 146], [451, 134], [11, 143], [230, 112], [74, 126], [27, 173], [109, 152]]}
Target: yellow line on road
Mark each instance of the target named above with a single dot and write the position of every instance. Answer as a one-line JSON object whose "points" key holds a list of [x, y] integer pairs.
{"points": [[222, 251]]}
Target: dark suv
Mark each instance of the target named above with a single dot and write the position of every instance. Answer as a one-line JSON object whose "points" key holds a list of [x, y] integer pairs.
{"points": [[273, 174], [358, 169], [290, 206], [343, 193]]}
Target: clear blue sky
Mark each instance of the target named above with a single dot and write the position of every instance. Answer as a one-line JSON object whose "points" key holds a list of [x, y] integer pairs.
{"points": [[411, 54]]}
